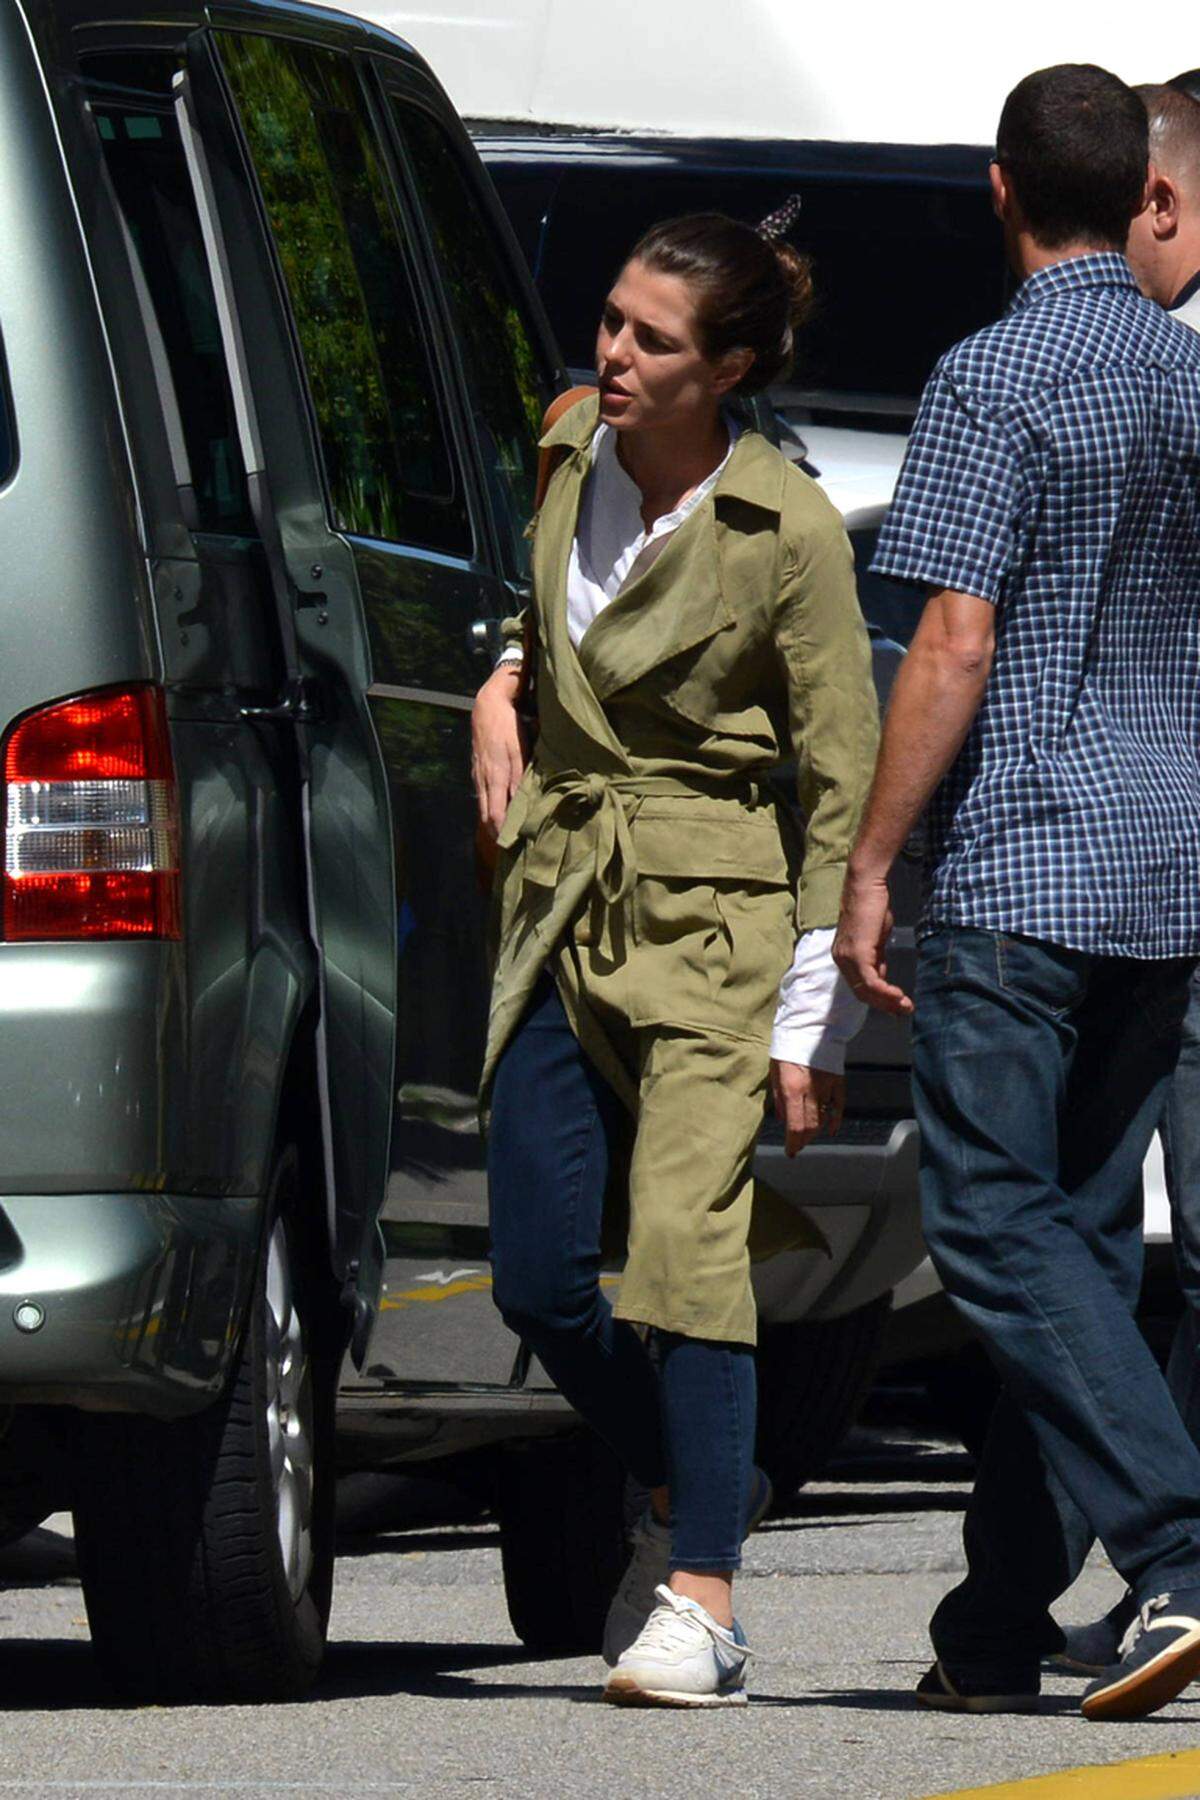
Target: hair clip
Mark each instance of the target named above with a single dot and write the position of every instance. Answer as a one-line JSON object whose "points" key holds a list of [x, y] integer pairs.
{"points": [[777, 224]]}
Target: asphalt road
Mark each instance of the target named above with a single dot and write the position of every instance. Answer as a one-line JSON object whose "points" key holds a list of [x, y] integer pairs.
{"points": [[426, 1690]]}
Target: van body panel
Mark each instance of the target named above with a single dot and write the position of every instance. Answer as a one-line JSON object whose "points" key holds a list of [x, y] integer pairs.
{"points": [[140, 1297]]}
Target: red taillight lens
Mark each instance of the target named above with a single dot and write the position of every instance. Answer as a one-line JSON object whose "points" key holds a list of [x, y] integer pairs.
{"points": [[91, 821]]}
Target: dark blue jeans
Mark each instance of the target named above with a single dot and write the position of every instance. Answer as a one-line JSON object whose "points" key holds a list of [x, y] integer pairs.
{"points": [[1181, 1154], [1039, 1076], [690, 1422]]}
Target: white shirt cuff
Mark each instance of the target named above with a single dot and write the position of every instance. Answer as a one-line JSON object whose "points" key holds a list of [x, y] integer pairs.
{"points": [[816, 1015]]}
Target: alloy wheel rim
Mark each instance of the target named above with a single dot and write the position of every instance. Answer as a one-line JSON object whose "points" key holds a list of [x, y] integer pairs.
{"points": [[289, 1416]]}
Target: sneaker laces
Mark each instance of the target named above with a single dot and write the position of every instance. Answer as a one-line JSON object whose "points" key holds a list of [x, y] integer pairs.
{"points": [[674, 1624], [1142, 1623]]}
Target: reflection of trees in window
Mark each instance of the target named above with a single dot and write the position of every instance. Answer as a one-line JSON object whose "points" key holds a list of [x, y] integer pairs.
{"points": [[346, 271], [508, 382]]}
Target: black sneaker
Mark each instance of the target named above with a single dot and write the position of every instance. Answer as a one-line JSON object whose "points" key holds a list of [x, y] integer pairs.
{"points": [[1161, 1654], [966, 1693], [1093, 1649]]}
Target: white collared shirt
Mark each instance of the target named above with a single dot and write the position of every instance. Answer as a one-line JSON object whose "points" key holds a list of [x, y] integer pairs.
{"points": [[816, 1015]]}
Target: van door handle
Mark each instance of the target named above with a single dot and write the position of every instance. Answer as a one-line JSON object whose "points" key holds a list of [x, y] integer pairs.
{"points": [[296, 705], [484, 638]]}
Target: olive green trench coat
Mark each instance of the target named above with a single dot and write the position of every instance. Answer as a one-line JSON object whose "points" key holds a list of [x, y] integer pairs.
{"points": [[643, 858]]}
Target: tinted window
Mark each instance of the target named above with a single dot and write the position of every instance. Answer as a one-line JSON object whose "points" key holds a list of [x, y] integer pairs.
{"points": [[902, 268], [131, 100], [387, 460], [508, 382]]}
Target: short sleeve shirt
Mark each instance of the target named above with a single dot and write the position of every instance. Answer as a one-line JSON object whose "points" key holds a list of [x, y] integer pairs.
{"points": [[1054, 471]]}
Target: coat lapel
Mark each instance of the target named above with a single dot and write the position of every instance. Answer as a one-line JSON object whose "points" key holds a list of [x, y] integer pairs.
{"points": [[678, 603], [681, 600], [552, 540]]}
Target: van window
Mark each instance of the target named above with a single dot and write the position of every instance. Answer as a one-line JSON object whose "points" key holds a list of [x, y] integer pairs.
{"points": [[508, 381], [387, 459], [133, 106]]}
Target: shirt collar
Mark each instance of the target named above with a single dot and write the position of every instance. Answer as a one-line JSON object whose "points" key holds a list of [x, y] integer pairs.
{"points": [[1187, 292], [608, 465], [1100, 268]]}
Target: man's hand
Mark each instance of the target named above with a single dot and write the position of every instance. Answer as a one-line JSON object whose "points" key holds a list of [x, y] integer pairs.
{"points": [[860, 947], [497, 746], [807, 1102]]}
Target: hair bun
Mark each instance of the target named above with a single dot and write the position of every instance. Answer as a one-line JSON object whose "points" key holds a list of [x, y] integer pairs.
{"points": [[795, 268]]}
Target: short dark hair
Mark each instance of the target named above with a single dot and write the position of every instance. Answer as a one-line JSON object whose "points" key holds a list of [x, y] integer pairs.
{"points": [[1174, 132], [750, 293], [1074, 143], [1187, 83]]}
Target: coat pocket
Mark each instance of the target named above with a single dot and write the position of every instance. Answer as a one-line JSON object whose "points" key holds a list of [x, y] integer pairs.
{"points": [[709, 954]]}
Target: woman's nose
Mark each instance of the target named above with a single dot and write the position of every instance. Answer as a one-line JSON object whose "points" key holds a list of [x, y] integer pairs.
{"points": [[617, 348]]}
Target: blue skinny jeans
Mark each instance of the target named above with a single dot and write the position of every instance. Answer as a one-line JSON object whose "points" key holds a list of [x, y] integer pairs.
{"points": [[689, 1422]]}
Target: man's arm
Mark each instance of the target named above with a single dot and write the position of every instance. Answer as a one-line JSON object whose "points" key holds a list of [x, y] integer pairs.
{"points": [[936, 695]]}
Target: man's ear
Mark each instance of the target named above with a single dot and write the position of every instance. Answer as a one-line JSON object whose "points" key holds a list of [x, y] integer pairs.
{"points": [[1162, 198], [1001, 192]]}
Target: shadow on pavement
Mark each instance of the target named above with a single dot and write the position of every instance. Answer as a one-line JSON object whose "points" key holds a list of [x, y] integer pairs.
{"points": [[48, 1675], [355, 1671], [821, 1508], [399, 1542], [39, 1559]]}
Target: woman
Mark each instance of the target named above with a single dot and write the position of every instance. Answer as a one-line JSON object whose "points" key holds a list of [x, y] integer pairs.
{"points": [[693, 590]]}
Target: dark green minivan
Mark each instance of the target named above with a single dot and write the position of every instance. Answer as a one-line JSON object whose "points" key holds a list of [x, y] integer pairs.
{"points": [[271, 371]]}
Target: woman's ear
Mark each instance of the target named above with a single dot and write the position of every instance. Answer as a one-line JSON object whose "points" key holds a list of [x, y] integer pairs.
{"points": [[731, 368]]}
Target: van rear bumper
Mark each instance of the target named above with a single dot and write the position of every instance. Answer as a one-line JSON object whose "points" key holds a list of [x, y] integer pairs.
{"points": [[136, 1301]]}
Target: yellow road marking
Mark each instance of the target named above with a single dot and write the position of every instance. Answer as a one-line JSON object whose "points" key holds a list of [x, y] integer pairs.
{"points": [[477, 1284], [1175, 1776]]}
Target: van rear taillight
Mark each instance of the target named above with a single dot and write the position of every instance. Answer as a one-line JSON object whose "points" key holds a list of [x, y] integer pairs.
{"points": [[91, 820]]}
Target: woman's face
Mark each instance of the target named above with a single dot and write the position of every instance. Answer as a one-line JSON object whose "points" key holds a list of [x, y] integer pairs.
{"points": [[649, 365]]}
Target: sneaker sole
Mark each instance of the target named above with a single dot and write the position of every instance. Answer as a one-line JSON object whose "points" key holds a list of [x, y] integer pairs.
{"points": [[980, 1703], [614, 1649], [1070, 1665], [622, 1690], [1155, 1684]]}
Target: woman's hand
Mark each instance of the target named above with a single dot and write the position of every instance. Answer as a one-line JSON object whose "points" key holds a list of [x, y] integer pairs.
{"points": [[497, 745], [807, 1102]]}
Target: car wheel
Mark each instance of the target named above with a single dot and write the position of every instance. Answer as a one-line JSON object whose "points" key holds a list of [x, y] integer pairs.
{"points": [[206, 1545], [562, 1508], [812, 1380]]}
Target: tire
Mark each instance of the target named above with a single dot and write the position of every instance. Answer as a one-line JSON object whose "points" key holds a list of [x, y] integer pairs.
{"points": [[812, 1380], [562, 1510], [206, 1545]]}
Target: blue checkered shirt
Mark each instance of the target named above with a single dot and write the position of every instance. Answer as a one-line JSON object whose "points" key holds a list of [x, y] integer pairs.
{"points": [[1054, 470]]}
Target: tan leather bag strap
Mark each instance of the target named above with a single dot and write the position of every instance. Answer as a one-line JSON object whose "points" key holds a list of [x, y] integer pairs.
{"points": [[548, 458]]}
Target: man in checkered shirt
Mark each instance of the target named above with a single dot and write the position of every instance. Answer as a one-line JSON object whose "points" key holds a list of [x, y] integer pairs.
{"points": [[1050, 705]]}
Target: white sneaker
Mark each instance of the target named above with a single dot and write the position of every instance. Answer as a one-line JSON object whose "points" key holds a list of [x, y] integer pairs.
{"points": [[681, 1657], [649, 1568]]}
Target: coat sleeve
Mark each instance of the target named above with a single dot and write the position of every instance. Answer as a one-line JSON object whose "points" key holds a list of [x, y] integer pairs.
{"points": [[832, 710], [512, 632]]}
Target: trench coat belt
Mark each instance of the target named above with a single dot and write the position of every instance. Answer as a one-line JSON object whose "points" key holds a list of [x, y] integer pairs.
{"points": [[571, 803]]}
